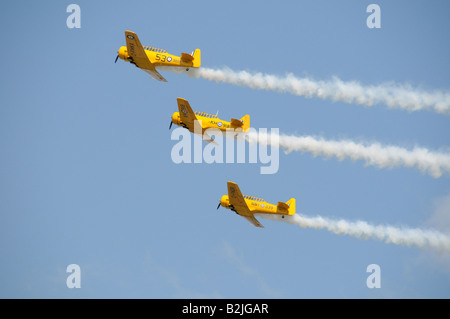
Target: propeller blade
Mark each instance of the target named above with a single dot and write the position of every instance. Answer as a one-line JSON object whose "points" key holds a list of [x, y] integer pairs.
{"points": [[170, 126], [218, 206], [116, 58]]}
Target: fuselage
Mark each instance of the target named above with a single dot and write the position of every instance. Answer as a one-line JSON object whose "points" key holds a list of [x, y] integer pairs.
{"points": [[255, 205], [207, 121], [158, 57]]}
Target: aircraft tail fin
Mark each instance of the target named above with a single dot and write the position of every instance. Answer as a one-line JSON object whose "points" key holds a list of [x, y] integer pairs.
{"points": [[197, 59], [291, 204], [246, 122]]}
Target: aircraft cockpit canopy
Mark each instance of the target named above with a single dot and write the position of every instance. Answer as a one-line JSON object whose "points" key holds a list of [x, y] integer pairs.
{"points": [[212, 116], [146, 47], [256, 199]]}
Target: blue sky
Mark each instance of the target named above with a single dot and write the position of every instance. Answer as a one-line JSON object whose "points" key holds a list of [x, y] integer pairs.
{"points": [[87, 177]]}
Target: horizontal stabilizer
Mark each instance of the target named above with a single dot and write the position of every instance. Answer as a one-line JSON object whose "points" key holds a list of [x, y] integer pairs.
{"points": [[236, 123], [186, 57], [283, 207]]}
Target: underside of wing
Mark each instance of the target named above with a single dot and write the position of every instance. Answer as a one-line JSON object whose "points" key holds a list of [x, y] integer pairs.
{"points": [[155, 74], [253, 221], [208, 139]]}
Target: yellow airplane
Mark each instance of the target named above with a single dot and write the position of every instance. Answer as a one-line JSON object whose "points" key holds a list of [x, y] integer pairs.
{"points": [[246, 206], [147, 58], [185, 117]]}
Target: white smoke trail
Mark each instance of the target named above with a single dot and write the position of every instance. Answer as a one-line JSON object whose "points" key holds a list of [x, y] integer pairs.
{"points": [[375, 154], [412, 237], [392, 94]]}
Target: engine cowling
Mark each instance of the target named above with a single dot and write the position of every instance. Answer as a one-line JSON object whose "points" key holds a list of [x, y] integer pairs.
{"points": [[224, 201], [176, 118], [123, 53]]}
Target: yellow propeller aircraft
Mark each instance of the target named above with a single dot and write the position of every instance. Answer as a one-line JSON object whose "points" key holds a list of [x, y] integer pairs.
{"points": [[246, 206], [186, 118], [147, 58]]}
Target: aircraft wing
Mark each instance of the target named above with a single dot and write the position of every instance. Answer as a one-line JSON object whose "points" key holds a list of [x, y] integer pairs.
{"points": [[253, 221], [187, 116], [139, 57], [208, 139], [155, 74], [240, 206]]}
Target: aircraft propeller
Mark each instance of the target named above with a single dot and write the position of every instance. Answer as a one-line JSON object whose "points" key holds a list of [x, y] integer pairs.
{"points": [[218, 206], [170, 126], [116, 58]]}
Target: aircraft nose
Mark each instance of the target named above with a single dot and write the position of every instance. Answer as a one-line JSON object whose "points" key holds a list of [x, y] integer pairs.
{"points": [[176, 118], [122, 53], [224, 201]]}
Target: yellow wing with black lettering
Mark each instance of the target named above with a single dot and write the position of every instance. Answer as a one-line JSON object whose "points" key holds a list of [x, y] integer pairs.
{"points": [[239, 205], [139, 57], [187, 116], [190, 120]]}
